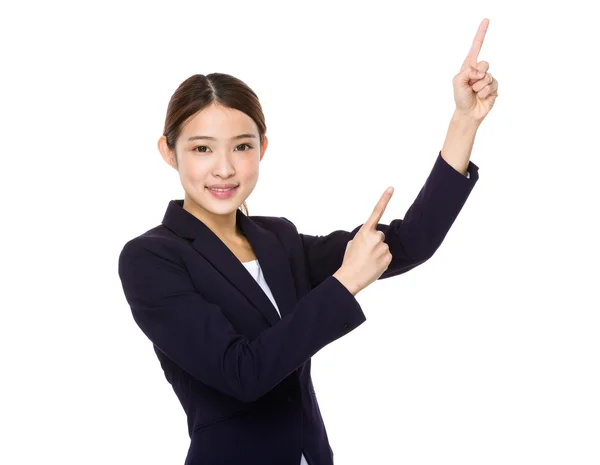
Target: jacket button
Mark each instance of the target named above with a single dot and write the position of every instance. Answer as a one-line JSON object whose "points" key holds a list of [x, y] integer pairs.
{"points": [[346, 328]]}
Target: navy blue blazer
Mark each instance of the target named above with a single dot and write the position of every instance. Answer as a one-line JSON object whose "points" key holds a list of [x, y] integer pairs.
{"points": [[242, 373]]}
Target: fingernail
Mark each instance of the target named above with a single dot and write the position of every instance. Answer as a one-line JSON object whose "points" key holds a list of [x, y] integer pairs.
{"points": [[390, 190]]}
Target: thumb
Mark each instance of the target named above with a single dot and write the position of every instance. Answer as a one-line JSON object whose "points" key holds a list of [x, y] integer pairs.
{"points": [[469, 74]]}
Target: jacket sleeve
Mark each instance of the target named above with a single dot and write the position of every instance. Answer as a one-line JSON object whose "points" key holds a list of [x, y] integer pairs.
{"points": [[195, 334], [413, 239]]}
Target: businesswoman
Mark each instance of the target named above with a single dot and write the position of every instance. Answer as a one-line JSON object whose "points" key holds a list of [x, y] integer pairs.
{"points": [[236, 305]]}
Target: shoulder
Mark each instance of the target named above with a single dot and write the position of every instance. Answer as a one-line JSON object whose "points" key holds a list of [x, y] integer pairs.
{"points": [[162, 243], [159, 242]]}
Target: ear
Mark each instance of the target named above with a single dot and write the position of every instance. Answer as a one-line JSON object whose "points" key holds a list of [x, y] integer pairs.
{"points": [[167, 154], [263, 147]]}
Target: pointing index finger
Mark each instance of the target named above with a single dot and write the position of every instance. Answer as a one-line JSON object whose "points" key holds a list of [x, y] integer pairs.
{"points": [[477, 43], [379, 208]]}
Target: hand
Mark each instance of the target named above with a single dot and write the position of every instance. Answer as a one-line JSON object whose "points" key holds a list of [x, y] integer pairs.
{"points": [[475, 94], [367, 256]]}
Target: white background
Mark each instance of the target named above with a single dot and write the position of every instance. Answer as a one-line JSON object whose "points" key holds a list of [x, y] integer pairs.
{"points": [[489, 353]]}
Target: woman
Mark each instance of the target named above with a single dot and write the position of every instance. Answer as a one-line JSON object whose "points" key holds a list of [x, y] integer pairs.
{"points": [[237, 305]]}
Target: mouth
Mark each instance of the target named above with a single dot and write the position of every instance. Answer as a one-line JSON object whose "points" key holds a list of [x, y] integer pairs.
{"points": [[223, 193], [221, 189]]}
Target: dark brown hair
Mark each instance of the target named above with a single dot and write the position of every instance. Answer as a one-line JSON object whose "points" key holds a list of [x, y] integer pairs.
{"points": [[199, 91]]}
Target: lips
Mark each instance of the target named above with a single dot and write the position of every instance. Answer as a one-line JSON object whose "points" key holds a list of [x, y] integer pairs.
{"points": [[222, 186], [222, 193]]}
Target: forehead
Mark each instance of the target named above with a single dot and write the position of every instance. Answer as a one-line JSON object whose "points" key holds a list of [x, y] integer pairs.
{"points": [[219, 122]]}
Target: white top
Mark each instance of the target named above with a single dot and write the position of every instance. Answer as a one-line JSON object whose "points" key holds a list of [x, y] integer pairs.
{"points": [[254, 269]]}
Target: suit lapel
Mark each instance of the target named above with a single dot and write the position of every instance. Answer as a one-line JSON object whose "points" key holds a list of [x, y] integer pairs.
{"points": [[266, 245]]}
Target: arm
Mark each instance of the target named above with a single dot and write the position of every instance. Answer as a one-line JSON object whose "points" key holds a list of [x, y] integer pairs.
{"points": [[459, 141], [200, 339], [413, 239]]}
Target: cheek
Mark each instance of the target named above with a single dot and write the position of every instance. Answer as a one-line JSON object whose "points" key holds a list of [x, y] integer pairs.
{"points": [[250, 167], [193, 170], [250, 175]]}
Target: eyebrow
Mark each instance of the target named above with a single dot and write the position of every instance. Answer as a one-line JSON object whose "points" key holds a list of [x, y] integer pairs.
{"points": [[241, 136]]}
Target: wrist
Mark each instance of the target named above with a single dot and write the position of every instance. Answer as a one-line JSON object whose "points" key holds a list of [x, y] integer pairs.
{"points": [[347, 283], [464, 121], [458, 144]]}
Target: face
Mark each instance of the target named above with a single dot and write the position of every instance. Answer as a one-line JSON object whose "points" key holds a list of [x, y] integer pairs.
{"points": [[203, 162]]}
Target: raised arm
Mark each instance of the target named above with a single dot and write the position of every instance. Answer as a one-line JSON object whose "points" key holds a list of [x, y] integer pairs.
{"points": [[413, 239]]}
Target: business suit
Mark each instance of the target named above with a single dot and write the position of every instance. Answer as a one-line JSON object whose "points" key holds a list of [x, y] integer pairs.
{"points": [[242, 373]]}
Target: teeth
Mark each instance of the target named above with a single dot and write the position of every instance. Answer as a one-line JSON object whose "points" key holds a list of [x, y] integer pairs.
{"points": [[221, 190]]}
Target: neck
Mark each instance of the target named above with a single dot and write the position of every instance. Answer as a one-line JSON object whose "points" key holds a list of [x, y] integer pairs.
{"points": [[223, 226]]}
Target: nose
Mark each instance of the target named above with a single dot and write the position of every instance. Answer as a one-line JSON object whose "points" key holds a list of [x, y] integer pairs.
{"points": [[223, 167]]}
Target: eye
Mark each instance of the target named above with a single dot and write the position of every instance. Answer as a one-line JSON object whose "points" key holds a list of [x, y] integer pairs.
{"points": [[205, 147]]}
